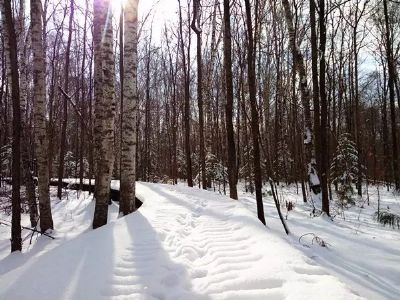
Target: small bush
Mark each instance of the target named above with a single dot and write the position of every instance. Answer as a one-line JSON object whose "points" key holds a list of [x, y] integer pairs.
{"points": [[388, 218]]}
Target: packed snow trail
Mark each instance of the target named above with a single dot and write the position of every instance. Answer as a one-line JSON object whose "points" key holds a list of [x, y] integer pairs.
{"points": [[183, 243]]}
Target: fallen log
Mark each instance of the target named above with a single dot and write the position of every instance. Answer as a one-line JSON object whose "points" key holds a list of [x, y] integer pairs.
{"points": [[114, 193]]}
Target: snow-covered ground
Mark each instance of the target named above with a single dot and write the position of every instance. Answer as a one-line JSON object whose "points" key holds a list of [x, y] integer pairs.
{"points": [[185, 243], [361, 252], [72, 217]]}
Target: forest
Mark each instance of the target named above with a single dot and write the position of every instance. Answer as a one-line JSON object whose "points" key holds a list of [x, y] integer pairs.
{"points": [[252, 99]]}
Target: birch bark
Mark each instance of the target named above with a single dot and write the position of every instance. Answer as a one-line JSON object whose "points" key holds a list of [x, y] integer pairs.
{"points": [[39, 115], [129, 115]]}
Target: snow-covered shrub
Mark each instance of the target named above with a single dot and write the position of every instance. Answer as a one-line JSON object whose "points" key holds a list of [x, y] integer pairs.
{"points": [[387, 218], [215, 170], [166, 180]]}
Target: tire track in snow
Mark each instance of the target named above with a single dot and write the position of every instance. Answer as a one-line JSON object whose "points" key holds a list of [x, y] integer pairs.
{"points": [[210, 254], [135, 263], [218, 252]]}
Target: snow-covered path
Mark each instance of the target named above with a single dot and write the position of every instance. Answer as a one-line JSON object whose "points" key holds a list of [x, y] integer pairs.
{"points": [[182, 244]]}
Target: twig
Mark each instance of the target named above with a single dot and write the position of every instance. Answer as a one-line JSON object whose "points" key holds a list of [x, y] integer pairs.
{"points": [[273, 190], [68, 97], [34, 230], [315, 238], [30, 240]]}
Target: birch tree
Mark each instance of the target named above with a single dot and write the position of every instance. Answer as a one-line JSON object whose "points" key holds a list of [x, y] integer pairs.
{"points": [[306, 96], [130, 96], [26, 158], [104, 73], [39, 111]]}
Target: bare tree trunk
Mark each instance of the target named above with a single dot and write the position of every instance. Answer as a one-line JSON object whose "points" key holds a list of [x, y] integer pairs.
{"points": [[196, 28], [230, 137], [16, 242], [357, 111], [92, 139], [54, 74], [317, 182], [39, 107], [147, 129], [254, 114], [129, 115], [385, 132], [324, 108], [4, 131], [314, 53], [83, 111], [186, 74], [172, 74], [5, 34], [121, 82], [25, 157], [104, 72], [305, 98], [65, 103], [391, 79]]}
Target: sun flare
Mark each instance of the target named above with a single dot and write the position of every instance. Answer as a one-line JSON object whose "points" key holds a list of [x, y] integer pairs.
{"points": [[118, 3]]}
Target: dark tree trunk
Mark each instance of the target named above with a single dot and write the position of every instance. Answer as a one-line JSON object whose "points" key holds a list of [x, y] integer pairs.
{"points": [[16, 242], [324, 109], [391, 79], [186, 111], [174, 115], [83, 110], [196, 28], [28, 176], [232, 171], [147, 130], [314, 62], [254, 113], [357, 111], [65, 104]]}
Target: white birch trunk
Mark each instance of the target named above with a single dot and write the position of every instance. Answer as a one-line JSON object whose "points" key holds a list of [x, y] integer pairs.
{"points": [[129, 115], [104, 73], [39, 112]]}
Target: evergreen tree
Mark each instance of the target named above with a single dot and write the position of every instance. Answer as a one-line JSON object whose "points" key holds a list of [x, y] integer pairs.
{"points": [[344, 169]]}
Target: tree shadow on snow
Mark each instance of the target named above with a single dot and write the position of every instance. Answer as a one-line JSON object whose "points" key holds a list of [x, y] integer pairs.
{"points": [[125, 258]]}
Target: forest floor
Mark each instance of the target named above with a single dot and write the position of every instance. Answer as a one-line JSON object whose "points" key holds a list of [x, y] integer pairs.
{"points": [[186, 243]]}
